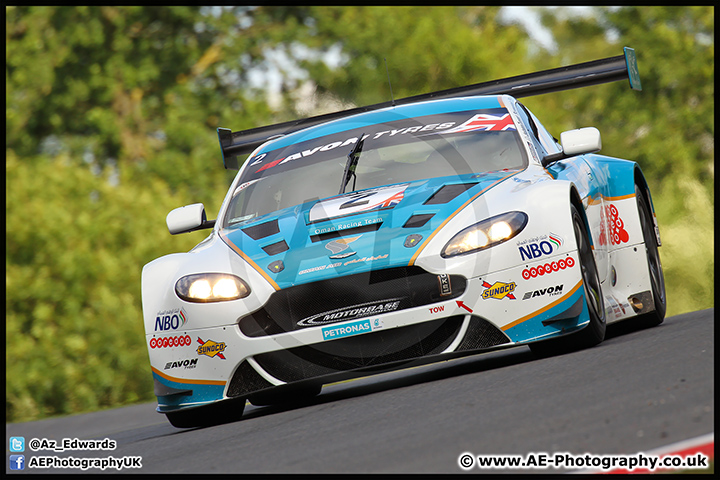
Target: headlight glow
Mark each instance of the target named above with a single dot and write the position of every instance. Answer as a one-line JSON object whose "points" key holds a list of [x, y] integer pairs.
{"points": [[200, 289], [488, 233], [211, 287]]}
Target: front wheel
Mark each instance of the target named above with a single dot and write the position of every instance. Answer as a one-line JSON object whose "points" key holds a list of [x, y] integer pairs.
{"points": [[594, 332]]}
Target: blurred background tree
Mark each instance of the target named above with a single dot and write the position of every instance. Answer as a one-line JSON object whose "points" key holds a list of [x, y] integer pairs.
{"points": [[111, 115]]}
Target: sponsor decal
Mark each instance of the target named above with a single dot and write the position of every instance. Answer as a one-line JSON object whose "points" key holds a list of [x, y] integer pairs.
{"points": [[549, 291], [615, 226], [445, 287], [548, 268], [169, 342], [318, 268], [258, 159], [170, 319], [499, 290], [538, 246], [338, 247], [338, 264], [353, 311], [486, 123], [346, 225], [365, 259], [349, 329], [211, 348], [357, 202], [187, 364]]}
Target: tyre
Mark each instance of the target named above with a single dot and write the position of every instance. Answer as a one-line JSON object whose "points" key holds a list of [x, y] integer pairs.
{"points": [[215, 414], [594, 332], [657, 279]]}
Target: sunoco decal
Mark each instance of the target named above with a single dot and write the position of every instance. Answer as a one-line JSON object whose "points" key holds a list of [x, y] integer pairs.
{"points": [[352, 328], [353, 311], [211, 348], [499, 290]]}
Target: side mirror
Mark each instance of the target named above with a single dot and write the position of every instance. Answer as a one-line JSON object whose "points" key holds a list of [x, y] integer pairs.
{"points": [[581, 140], [576, 142], [187, 219]]}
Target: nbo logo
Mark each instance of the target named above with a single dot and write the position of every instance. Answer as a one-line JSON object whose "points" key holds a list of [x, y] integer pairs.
{"points": [[544, 247], [170, 320]]}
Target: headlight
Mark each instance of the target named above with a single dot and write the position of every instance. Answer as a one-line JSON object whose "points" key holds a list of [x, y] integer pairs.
{"points": [[211, 287], [486, 234]]}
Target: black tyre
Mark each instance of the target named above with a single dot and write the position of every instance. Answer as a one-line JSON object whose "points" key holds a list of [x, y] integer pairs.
{"points": [[215, 414], [657, 279], [286, 395], [594, 332]]}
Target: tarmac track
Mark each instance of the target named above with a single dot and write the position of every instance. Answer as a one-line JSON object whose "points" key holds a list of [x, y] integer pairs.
{"points": [[637, 391]]}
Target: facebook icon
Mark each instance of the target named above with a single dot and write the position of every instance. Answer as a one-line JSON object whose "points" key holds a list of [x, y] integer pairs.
{"points": [[17, 462]]}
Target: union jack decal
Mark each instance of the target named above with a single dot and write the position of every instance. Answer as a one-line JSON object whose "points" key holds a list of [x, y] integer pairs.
{"points": [[486, 123]]}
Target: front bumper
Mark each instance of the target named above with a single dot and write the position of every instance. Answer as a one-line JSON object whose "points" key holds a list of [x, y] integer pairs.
{"points": [[393, 320]]}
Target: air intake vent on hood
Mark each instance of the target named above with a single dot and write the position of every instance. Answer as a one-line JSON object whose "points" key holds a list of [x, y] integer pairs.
{"points": [[262, 230], [448, 192], [417, 221], [275, 248]]}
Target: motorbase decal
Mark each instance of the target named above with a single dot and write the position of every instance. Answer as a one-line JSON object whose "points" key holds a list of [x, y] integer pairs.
{"points": [[350, 312]]}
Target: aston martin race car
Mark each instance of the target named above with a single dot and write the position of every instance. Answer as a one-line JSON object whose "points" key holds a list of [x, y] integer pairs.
{"points": [[399, 234]]}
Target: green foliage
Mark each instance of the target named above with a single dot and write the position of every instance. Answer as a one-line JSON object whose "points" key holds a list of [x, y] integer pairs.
{"points": [[111, 114], [75, 248]]}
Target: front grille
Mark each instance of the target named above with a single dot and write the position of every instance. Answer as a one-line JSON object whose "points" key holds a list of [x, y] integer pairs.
{"points": [[367, 350], [344, 298]]}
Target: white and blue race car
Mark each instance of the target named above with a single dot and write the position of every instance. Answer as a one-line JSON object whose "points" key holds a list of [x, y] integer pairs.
{"points": [[399, 234]]}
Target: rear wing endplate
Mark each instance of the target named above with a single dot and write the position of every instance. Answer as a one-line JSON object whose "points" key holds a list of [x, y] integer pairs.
{"points": [[611, 69]]}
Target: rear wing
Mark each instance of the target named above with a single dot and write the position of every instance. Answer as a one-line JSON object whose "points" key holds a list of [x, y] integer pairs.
{"points": [[611, 69]]}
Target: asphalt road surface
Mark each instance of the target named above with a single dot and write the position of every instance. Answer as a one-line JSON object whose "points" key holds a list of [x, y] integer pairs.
{"points": [[637, 391]]}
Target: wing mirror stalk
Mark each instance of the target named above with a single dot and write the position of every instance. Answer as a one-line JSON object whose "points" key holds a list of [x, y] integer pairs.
{"points": [[575, 142]]}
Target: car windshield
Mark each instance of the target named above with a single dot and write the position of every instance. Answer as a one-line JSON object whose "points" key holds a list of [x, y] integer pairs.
{"points": [[399, 150]]}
